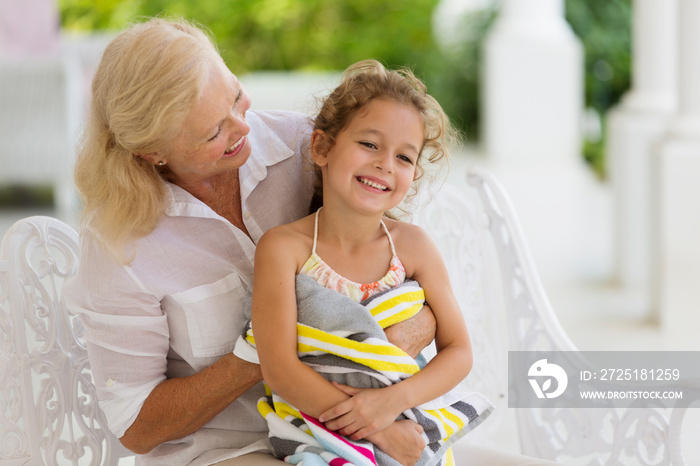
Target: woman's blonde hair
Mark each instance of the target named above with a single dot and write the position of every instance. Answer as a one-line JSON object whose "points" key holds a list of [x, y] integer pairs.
{"points": [[367, 80], [148, 80]]}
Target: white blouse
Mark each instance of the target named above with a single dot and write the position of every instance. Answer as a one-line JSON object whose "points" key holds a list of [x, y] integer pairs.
{"points": [[177, 307]]}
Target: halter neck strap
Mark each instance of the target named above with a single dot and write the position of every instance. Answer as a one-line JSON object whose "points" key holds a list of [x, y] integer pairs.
{"points": [[386, 230]]}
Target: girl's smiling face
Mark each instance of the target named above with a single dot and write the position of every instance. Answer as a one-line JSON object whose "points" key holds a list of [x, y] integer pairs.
{"points": [[213, 138], [372, 164]]}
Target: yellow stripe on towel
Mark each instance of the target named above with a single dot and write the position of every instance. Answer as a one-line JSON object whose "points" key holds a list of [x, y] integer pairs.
{"points": [[403, 298], [401, 316], [264, 407], [456, 420], [285, 410], [450, 458], [386, 358]]}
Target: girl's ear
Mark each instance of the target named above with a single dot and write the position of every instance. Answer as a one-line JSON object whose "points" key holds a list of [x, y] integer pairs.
{"points": [[319, 147]]}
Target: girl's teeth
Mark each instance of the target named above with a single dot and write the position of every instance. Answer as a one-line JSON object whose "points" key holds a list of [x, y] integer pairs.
{"points": [[373, 184]]}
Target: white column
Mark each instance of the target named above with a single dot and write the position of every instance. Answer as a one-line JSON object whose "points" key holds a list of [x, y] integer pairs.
{"points": [[677, 186], [687, 122], [533, 86], [633, 129], [653, 56], [533, 104]]}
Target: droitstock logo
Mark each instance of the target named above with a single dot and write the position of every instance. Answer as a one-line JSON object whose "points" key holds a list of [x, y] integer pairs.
{"points": [[602, 379], [546, 372]]}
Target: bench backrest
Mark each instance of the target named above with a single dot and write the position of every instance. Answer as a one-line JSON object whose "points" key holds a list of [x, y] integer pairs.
{"points": [[49, 412]]}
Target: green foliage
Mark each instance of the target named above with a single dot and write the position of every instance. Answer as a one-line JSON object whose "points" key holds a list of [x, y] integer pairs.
{"points": [[453, 75], [594, 154], [89, 15], [323, 35], [285, 34], [19, 196], [604, 27]]}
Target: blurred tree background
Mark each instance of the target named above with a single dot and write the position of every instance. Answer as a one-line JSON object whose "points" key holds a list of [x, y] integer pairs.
{"points": [[256, 35], [605, 30]]}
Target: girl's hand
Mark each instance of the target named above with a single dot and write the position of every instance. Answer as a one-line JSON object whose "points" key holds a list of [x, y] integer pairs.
{"points": [[402, 441], [368, 411]]}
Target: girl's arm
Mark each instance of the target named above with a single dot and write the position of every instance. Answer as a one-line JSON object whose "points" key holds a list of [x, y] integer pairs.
{"points": [[274, 319], [370, 409]]}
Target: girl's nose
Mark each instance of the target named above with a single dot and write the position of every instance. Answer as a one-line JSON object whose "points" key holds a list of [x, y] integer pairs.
{"points": [[385, 161]]}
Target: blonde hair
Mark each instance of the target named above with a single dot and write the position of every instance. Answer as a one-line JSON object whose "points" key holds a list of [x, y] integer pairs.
{"points": [[148, 80], [367, 80]]}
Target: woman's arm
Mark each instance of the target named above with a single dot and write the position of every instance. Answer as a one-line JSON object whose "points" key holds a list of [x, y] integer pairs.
{"points": [[180, 406], [414, 334], [358, 417], [128, 339]]}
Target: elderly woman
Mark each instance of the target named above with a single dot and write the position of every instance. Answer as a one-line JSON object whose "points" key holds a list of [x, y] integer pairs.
{"points": [[179, 181]]}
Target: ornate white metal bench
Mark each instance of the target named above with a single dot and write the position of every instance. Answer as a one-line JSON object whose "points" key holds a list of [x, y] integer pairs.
{"points": [[48, 410]]}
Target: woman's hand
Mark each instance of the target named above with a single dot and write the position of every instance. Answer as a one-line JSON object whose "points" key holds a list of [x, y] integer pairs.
{"points": [[368, 411], [182, 405], [414, 334], [402, 441]]}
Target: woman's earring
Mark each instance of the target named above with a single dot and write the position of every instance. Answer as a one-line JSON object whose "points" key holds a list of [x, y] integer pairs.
{"points": [[160, 163]]}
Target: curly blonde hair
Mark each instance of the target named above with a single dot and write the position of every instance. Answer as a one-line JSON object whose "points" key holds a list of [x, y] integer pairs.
{"points": [[148, 80], [367, 80]]}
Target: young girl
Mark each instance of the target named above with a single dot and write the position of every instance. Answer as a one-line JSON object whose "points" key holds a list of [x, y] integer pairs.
{"points": [[373, 138]]}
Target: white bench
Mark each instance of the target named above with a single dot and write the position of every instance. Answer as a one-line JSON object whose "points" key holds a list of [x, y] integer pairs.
{"points": [[48, 410]]}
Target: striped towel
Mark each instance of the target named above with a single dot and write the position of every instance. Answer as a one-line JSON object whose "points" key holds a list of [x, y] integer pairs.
{"points": [[345, 342]]}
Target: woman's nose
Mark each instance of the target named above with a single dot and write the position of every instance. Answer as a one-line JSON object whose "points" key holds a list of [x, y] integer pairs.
{"points": [[242, 106], [239, 125], [239, 111]]}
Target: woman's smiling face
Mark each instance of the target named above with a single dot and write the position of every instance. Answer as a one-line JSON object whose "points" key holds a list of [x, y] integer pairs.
{"points": [[214, 136]]}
